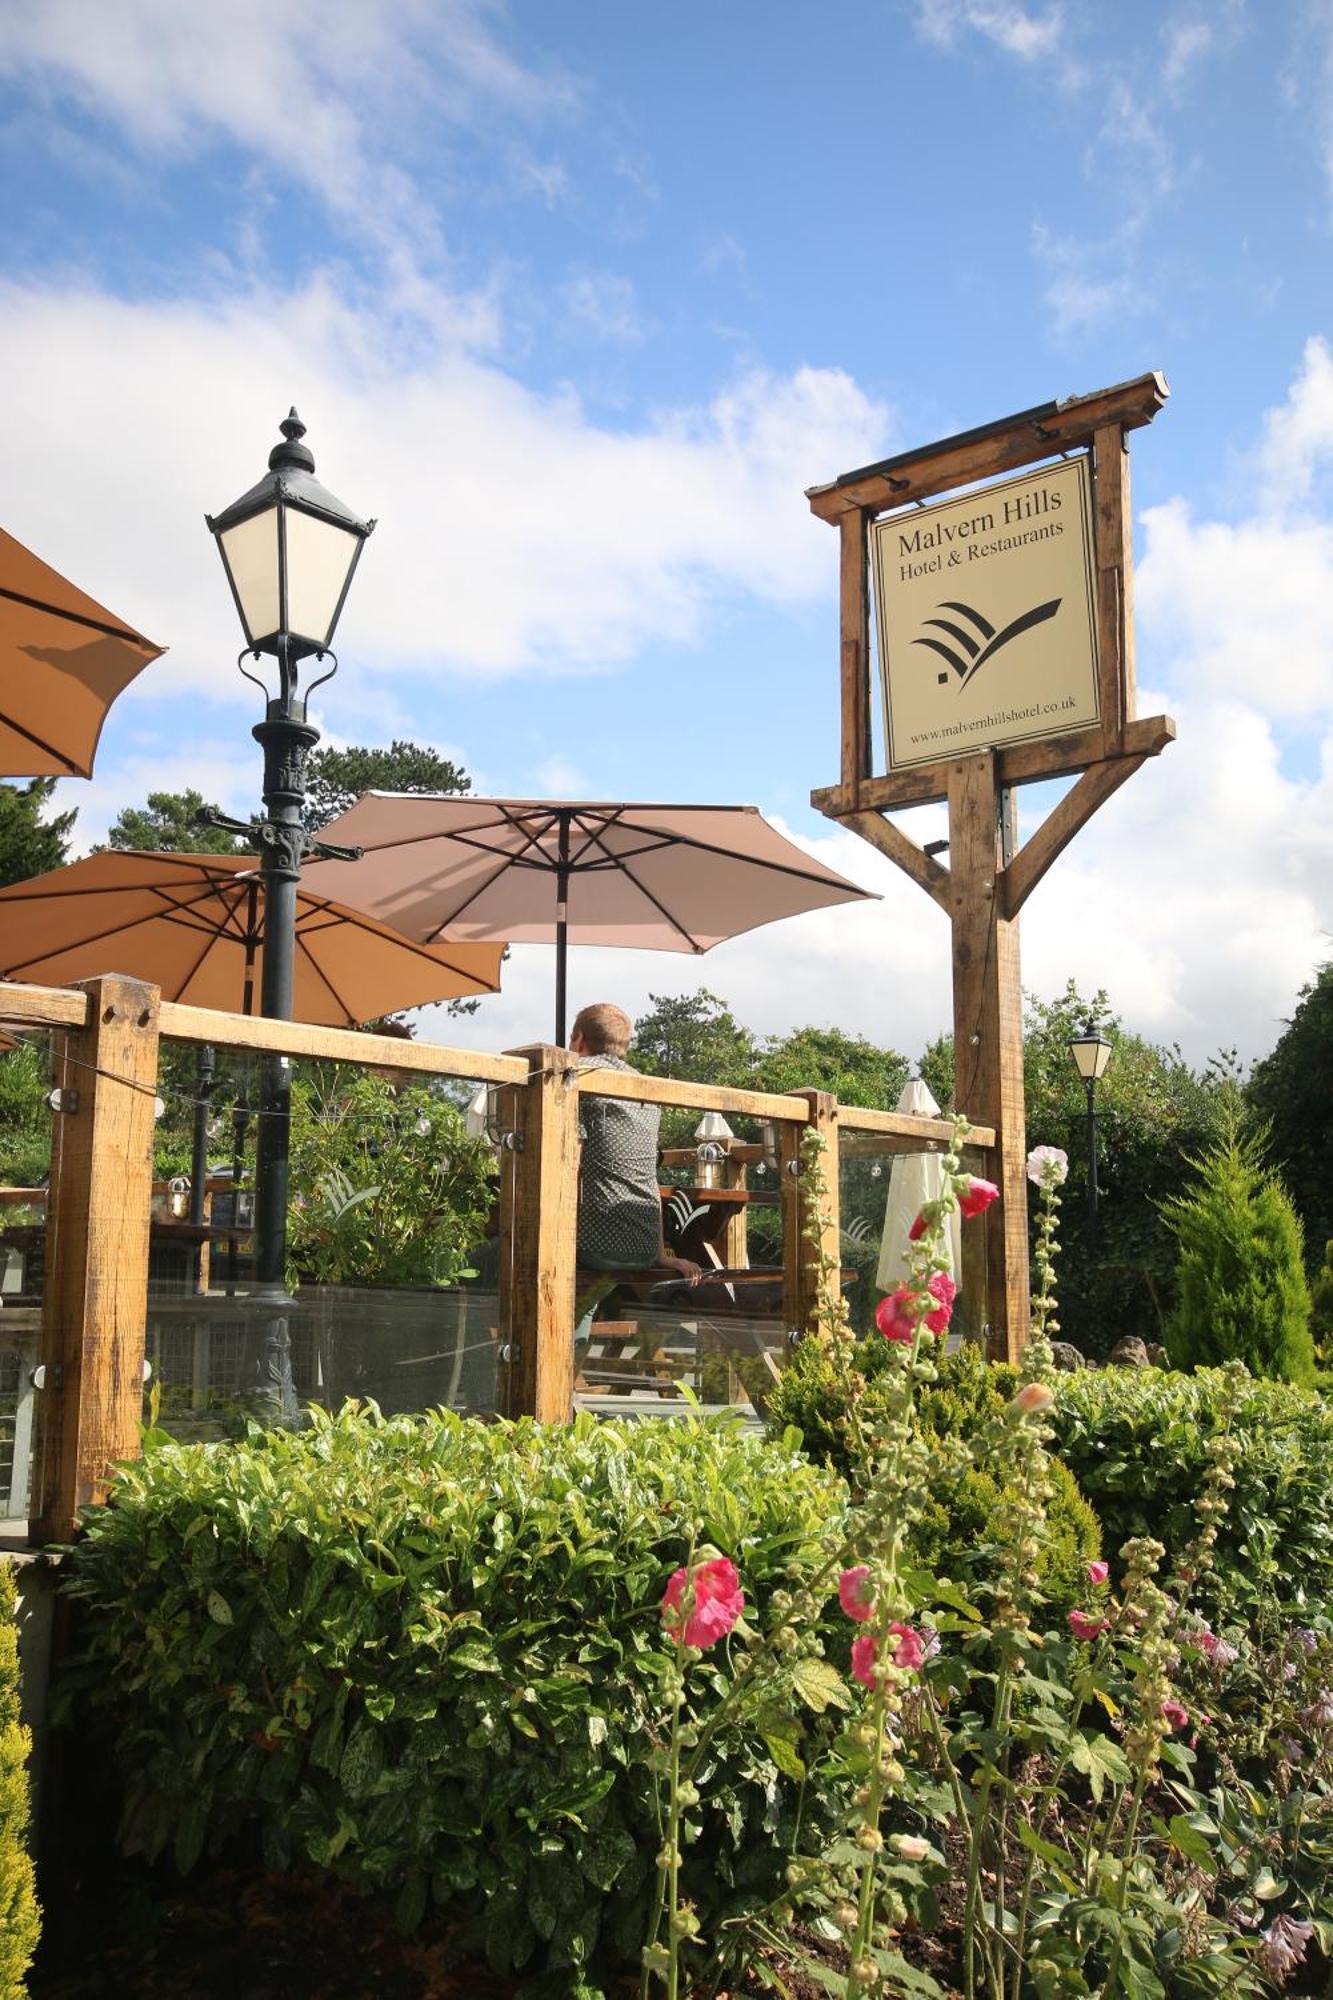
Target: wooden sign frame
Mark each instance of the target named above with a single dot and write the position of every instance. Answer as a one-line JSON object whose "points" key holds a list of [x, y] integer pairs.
{"points": [[990, 876]]}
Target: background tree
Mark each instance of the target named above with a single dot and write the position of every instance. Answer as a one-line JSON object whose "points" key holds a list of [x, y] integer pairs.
{"points": [[171, 823], [695, 1036], [1293, 1090], [31, 841], [1240, 1291], [335, 779], [857, 1071]]}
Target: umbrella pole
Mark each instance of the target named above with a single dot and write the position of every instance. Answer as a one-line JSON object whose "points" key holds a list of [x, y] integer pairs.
{"points": [[561, 931]]}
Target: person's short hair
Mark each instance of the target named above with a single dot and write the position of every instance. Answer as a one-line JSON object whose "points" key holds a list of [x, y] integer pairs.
{"points": [[606, 1030]]}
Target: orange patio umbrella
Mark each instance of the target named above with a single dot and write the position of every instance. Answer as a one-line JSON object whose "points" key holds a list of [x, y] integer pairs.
{"points": [[655, 877], [192, 924], [63, 660]]}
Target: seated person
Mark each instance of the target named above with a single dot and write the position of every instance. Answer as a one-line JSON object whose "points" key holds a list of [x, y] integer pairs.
{"points": [[620, 1209]]}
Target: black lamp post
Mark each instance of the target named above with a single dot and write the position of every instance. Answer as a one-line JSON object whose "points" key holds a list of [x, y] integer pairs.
{"points": [[1091, 1053], [290, 549]]}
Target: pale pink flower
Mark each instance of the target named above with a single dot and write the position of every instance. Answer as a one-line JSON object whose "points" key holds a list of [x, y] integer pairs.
{"points": [[1098, 1573], [854, 1593], [1086, 1625], [1220, 1651], [977, 1196], [1047, 1166], [910, 1846], [718, 1602], [1033, 1398], [1282, 1946]]}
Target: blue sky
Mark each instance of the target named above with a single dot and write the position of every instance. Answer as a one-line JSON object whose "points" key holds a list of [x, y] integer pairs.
{"points": [[578, 298]]}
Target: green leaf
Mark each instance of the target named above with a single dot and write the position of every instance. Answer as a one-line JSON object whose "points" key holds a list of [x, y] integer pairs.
{"points": [[785, 1757], [820, 1686], [1188, 1840], [218, 1608]]}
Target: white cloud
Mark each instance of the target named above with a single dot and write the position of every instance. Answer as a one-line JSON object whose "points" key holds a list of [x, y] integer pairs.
{"points": [[515, 532], [1023, 32], [1297, 440], [604, 305]]}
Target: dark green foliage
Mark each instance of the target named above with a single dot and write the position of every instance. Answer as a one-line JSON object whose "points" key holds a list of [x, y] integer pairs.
{"points": [[954, 1535], [19, 1916], [1291, 1089], [393, 1191], [172, 823], [1240, 1284], [427, 1654], [857, 1071], [25, 1118], [694, 1036], [31, 840], [335, 779], [1136, 1440], [1321, 1304]]}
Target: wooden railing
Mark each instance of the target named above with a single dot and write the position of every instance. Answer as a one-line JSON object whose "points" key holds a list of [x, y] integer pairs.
{"points": [[105, 1057]]}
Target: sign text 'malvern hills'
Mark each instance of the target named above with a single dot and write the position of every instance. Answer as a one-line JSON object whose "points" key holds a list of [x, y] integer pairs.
{"points": [[987, 617]]}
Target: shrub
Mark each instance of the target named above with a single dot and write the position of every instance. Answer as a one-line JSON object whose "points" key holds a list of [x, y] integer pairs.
{"points": [[426, 1654], [956, 1532], [1137, 1441], [18, 1897], [1241, 1292], [1321, 1304]]}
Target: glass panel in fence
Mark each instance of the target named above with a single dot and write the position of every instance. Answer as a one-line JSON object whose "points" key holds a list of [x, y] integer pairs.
{"points": [[391, 1257], [716, 1325], [25, 1162], [882, 1183]]}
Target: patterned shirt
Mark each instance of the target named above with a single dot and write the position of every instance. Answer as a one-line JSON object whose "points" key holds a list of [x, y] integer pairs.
{"points": [[620, 1210]]}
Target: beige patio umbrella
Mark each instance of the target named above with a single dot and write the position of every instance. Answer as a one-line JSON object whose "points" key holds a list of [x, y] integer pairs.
{"points": [[63, 660], [914, 1179], [654, 877], [192, 924]]}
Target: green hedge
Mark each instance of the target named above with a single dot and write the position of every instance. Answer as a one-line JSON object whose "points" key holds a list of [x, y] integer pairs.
{"points": [[18, 1896], [426, 1654], [1136, 1440], [952, 1536]]}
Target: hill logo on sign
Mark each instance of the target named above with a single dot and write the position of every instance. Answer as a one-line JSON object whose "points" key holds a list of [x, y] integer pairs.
{"points": [[1017, 635]]}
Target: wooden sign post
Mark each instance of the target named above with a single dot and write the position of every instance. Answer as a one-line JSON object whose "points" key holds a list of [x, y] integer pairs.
{"points": [[989, 876]]}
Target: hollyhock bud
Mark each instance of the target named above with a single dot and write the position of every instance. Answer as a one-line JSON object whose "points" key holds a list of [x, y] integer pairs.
{"points": [[1084, 1625], [918, 1230], [910, 1846], [717, 1602], [1033, 1398], [1098, 1572], [977, 1196], [1175, 1714], [854, 1593]]}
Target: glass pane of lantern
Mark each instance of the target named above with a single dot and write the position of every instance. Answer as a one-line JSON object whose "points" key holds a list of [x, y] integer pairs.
{"points": [[250, 551], [319, 557]]}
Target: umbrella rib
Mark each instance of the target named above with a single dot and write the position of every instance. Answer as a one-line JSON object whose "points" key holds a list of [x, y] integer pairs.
{"points": [[321, 975], [733, 854], [75, 617], [40, 743], [362, 921], [657, 904], [210, 942], [113, 930]]}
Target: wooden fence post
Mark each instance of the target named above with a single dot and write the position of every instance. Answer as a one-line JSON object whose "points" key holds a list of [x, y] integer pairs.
{"points": [[800, 1255], [95, 1304], [539, 1194]]}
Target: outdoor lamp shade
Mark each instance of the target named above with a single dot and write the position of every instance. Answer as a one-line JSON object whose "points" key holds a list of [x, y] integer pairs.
{"points": [[289, 548], [713, 1126], [1091, 1053]]}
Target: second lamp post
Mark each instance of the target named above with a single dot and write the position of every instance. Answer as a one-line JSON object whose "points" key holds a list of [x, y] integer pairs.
{"points": [[1091, 1053], [290, 549]]}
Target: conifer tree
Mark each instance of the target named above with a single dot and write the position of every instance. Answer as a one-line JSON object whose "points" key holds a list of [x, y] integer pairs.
{"points": [[18, 1896], [1241, 1292]]}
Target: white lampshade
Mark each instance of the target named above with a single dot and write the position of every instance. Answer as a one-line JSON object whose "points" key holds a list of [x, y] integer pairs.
{"points": [[713, 1126], [1091, 1053]]}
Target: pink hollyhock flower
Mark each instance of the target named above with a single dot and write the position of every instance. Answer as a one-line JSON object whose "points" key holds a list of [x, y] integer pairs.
{"points": [[977, 1196], [1098, 1573], [854, 1593], [1220, 1651], [1175, 1714], [718, 1602], [918, 1230], [893, 1315], [1282, 1946], [1084, 1625], [910, 1650], [863, 1660], [1033, 1398], [942, 1287]]}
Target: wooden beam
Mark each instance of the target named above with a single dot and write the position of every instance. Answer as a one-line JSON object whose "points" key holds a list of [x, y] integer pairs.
{"points": [[94, 1308], [988, 1053], [1002, 446], [800, 1255], [301, 1038], [41, 1006], [917, 1134], [923, 868], [1057, 830], [641, 1089], [1113, 529], [1017, 763], [538, 1222], [854, 616]]}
